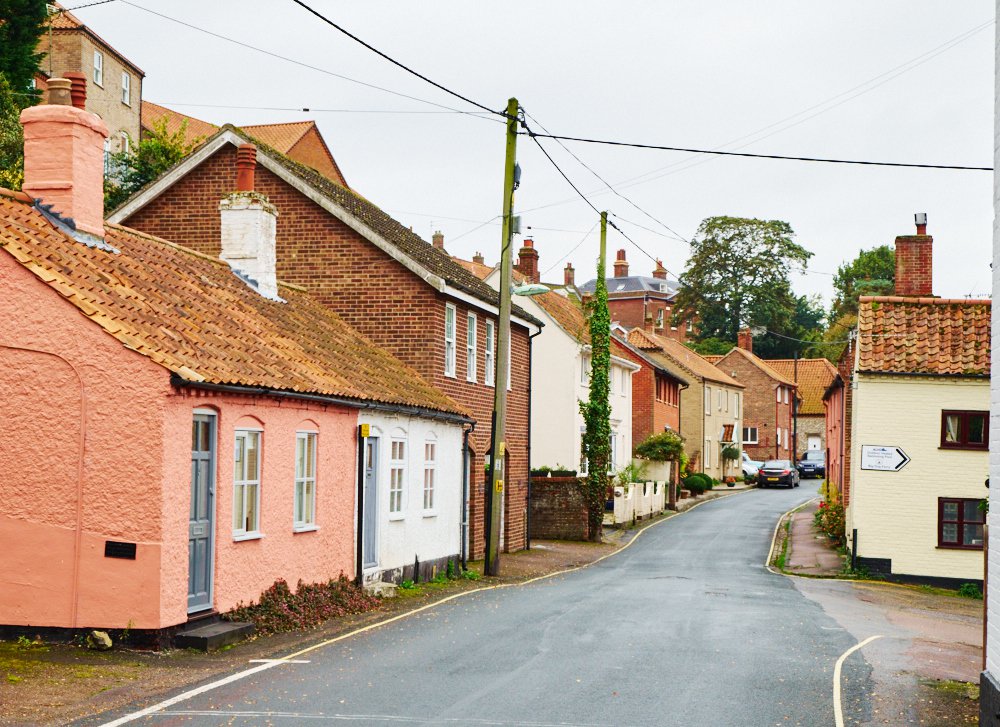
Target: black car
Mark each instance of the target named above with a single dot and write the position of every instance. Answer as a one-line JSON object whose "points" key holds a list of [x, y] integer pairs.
{"points": [[778, 472], [812, 464]]}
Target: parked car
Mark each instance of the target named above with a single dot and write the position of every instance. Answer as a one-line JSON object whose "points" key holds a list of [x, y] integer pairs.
{"points": [[812, 464], [778, 472], [750, 467]]}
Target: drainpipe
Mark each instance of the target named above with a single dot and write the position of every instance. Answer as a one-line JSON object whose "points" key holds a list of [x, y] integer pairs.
{"points": [[360, 564], [527, 514], [464, 518]]}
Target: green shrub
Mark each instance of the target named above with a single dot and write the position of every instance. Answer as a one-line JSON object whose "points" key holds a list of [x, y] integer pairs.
{"points": [[830, 520], [697, 483], [970, 590], [663, 447]]}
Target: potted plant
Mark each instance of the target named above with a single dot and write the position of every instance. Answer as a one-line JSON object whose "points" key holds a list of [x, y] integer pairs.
{"points": [[730, 454]]}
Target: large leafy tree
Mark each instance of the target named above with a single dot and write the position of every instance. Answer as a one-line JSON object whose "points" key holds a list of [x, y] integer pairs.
{"points": [[11, 138], [872, 272], [22, 23], [738, 275], [132, 170]]}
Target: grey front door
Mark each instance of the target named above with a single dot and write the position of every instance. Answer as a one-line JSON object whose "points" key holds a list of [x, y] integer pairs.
{"points": [[201, 519], [370, 522]]}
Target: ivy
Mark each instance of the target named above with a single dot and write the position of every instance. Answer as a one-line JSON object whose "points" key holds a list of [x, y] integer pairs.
{"points": [[597, 409]]}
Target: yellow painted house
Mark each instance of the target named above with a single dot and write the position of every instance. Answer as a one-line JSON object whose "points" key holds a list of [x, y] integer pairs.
{"points": [[919, 426]]}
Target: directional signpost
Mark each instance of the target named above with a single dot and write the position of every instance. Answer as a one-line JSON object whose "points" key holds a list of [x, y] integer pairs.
{"points": [[884, 459]]}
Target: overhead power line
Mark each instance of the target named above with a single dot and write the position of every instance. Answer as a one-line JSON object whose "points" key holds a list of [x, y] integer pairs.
{"points": [[314, 110], [393, 61]]}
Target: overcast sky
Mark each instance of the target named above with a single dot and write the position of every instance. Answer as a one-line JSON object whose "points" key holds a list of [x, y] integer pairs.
{"points": [[691, 73]]}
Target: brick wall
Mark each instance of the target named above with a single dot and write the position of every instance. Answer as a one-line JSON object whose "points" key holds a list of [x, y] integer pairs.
{"points": [[761, 408], [632, 310], [914, 265], [376, 295], [311, 151], [558, 508], [649, 416]]}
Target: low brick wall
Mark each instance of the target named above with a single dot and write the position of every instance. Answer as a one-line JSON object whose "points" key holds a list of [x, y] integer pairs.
{"points": [[558, 510]]}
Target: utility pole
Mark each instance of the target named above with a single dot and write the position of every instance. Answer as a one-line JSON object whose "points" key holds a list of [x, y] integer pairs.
{"points": [[498, 445]]}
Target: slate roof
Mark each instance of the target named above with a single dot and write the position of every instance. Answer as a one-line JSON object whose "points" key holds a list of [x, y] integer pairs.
{"points": [[634, 284], [814, 377], [190, 314], [667, 350], [936, 336]]}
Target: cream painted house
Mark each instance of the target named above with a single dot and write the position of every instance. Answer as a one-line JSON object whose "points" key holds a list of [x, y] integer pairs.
{"points": [[921, 390]]}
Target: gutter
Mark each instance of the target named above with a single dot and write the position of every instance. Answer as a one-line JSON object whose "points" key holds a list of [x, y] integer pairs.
{"points": [[180, 382]]}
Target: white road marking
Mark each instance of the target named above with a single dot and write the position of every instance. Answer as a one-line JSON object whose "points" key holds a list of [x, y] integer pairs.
{"points": [[184, 696], [373, 718], [838, 709], [280, 661]]}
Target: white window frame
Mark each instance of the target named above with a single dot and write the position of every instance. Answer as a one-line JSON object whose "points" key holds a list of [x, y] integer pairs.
{"points": [[583, 458], [99, 68], [430, 475], [625, 382], [489, 354], [245, 487], [690, 326], [126, 88], [786, 395], [720, 396], [708, 453], [659, 318], [305, 482], [708, 399], [397, 478], [124, 142], [613, 448], [746, 435], [471, 343], [585, 370], [777, 395], [736, 404], [449, 339]]}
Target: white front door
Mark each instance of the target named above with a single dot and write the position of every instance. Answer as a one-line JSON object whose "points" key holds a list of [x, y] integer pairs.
{"points": [[815, 442]]}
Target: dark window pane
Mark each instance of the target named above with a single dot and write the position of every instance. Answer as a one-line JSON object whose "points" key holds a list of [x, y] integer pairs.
{"points": [[950, 511], [949, 533], [951, 428], [977, 429], [972, 535]]}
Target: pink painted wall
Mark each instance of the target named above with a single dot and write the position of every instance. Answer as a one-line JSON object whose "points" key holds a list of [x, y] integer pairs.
{"points": [[834, 408], [95, 445]]}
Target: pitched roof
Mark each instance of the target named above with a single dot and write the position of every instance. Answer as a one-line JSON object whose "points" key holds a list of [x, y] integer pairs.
{"points": [[404, 240], [712, 358], [938, 336], [480, 270], [567, 313], [190, 314], [648, 358], [667, 350], [634, 284], [814, 377], [759, 363], [152, 113], [65, 20]]}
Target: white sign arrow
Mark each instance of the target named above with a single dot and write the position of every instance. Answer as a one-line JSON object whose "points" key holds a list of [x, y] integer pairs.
{"points": [[884, 459]]}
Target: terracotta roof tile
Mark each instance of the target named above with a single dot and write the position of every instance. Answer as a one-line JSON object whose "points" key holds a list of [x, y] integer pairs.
{"points": [[189, 313], [480, 270], [760, 364], [196, 128], [814, 377], [924, 336], [280, 136], [674, 351]]}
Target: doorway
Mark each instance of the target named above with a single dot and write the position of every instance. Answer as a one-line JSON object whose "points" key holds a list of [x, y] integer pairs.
{"points": [[201, 519], [369, 540]]}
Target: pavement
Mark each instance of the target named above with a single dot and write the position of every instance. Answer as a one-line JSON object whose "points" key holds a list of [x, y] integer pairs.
{"points": [[809, 551]]}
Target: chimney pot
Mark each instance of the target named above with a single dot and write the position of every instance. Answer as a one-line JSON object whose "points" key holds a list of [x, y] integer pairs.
{"points": [[621, 265], [60, 93], [478, 258], [246, 166], [78, 89], [921, 219], [569, 275], [744, 340], [915, 261], [437, 239], [660, 272]]}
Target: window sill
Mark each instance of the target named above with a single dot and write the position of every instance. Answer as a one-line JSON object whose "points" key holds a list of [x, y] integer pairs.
{"points": [[972, 548], [396, 516], [450, 376], [964, 448], [305, 529], [247, 536], [430, 513]]}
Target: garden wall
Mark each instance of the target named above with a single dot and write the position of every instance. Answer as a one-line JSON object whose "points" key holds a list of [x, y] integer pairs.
{"points": [[557, 509]]}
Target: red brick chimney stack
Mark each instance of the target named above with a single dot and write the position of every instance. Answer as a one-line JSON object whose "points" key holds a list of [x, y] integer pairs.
{"points": [[527, 263], [914, 261], [437, 239], [569, 275], [744, 340], [246, 167], [78, 91], [479, 259], [621, 265], [660, 272]]}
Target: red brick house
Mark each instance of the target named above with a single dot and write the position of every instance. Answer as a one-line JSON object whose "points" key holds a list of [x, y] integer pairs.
{"points": [[398, 290], [656, 393], [812, 376], [635, 299], [769, 400]]}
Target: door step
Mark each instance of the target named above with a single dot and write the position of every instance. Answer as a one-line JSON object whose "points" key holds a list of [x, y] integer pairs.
{"points": [[381, 588], [211, 636]]}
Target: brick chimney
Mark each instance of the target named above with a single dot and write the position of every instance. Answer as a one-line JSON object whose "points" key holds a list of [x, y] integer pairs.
{"points": [[569, 275], [249, 225], [64, 159], [437, 239], [527, 263], [479, 259], [914, 261], [744, 340], [621, 265], [660, 272]]}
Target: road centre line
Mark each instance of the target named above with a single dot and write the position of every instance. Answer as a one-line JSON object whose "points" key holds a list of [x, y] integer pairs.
{"points": [[838, 709], [271, 663]]}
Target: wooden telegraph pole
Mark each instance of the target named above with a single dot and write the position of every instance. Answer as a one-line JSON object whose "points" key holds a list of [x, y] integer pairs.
{"points": [[498, 445]]}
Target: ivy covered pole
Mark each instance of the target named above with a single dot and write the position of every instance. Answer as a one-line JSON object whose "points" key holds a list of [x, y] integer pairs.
{"points": [[597, 409]]}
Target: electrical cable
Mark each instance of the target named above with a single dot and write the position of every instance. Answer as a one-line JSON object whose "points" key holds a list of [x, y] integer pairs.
{"points": [[310, 109], [80, 7], [396, 63], [572, 250], [782, 157], [293, 61]]}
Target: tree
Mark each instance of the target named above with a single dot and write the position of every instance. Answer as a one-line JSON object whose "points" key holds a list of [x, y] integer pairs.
{"points": [[11, 136], [738, 275], [789, 331], [22, 23], [145, 161], [597, 409], [872, 272]]}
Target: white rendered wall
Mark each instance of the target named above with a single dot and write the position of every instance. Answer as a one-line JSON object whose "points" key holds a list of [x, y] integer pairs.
{"points": [[414, 532]]}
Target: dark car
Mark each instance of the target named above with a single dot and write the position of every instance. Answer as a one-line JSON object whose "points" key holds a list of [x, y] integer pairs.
{"points": [[812, 464], [778, 472]]}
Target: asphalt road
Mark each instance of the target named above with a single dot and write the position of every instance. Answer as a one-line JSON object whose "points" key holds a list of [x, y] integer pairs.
{"points": [[686, 627]]}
